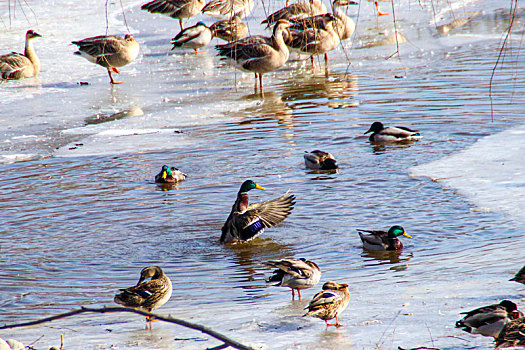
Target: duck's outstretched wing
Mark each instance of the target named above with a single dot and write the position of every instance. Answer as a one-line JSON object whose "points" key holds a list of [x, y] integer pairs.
{"points": [[244, 226], [294, 267]]}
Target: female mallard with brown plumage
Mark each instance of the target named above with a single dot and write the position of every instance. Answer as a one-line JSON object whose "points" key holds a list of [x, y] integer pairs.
{"points": [[320, 160], [169, 175], [383, 240], [147, 295], [108, 51], [294, 273], [246, 222], [520, 276], [489, 320], [15, 65], [329, 303], [230, 29], [513, 334]]}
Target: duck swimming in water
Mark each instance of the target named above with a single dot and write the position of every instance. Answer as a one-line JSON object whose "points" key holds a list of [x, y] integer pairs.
{"points": [[247, 221]]}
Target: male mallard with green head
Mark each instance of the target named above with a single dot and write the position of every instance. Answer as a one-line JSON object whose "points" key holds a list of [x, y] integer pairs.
{"points": [[246, 222], [147, 295], [329, 303], [380, 133], [513, 334], [489, 320], [294, 273], [520, 276], [320, 160], [383, 240], [169, 175]]}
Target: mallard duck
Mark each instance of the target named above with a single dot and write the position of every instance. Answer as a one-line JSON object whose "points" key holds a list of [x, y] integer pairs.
{"points": [[294, 273], [229, 8], [147, 295], [315, 40], [169, 175], [512, 334], [16, 65], [246, 222], [329, 303], [391, 133], [179, 9], [259, 57], [108, 51], [520, 276], [193, 37], [320, 160], [383, 240], [489, 320], [296, 11], [230, 29]]}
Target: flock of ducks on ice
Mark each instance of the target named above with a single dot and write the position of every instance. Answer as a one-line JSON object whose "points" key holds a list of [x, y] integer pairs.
{"points": [[308, 29], [305, 27]]}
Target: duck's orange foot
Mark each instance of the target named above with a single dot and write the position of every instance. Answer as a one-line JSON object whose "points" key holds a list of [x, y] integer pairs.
{"points": [[115, 70], [117, 82], [379, 12]]}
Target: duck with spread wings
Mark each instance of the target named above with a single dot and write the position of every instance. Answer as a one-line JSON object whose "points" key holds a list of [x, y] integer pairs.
{"points": [[247, 221]]}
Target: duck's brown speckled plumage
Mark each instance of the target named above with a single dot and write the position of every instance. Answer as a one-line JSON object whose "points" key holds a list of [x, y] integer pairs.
{"points": [[108, 51], [16, 65], [513, 334], [330, 302], [147, 295], [296, 274]]}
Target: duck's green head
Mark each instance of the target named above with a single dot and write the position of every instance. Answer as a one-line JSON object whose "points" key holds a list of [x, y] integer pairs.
{"points": [[249, 185], [166, 171], [375, 127], [397, 230]]}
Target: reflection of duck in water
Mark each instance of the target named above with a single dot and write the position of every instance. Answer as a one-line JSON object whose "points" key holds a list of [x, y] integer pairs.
{"points": [[246, 222], [334, 91]]}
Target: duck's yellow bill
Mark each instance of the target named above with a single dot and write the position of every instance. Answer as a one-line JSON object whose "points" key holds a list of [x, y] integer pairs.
{"points": [[259, 187], [407, 235]]}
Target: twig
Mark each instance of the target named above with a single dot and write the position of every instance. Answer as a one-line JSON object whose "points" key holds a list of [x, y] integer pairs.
{"points": [[513, 16], [395, 32], [379, 342], [227, 341]]}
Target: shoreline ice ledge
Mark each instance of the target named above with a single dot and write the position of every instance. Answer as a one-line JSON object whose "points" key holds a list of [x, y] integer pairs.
{"points": [[490, 173]]}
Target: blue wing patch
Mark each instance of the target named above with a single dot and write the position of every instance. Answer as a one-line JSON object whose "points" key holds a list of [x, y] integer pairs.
{"points": [[252, 230], [144, 294]]}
